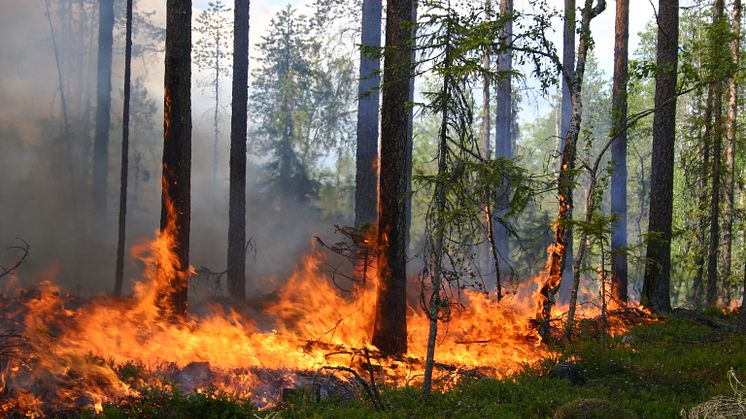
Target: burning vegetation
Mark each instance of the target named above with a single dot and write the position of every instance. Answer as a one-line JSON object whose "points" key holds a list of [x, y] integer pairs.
{"points": [[60, 353]]}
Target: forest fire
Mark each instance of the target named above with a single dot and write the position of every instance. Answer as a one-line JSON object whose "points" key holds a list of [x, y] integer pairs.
{"points": [[105, 350]]}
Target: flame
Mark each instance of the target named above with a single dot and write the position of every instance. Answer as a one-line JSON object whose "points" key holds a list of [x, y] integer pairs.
{"points": [[76, 358]]}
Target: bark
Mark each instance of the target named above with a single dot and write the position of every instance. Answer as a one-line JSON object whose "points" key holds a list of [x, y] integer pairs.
{"points": [[503, 133], [410, 126], [119, 274], [366, 171], [730, 152], [619, 156], [177, 149], [717, 158], [566, 110], [237, 194], [390, 329], [488, 251], [656, 284], [557, 255], [103, 107]]}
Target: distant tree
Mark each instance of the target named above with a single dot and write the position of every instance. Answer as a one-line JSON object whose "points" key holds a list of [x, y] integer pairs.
{"points": [[212, 52], [366, 161], [730, 152], [282, 99], [177, 151], [103, 107], [619, 155], [715, 91], [656, 285], [237, 198], [390, 329], [504, 135], [122, 228]]}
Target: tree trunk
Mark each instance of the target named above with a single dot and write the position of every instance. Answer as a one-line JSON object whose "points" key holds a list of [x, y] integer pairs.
{"points": [[103, 107], [488, 251], [237, 198], [619, 156], [366, 162], [717, 158], [440, 209], [557, 252], [503, 133], [215, 126], [730, 152], [177, 150], [568, 68], [119, 274], [390, 329], [410, 127], [656, 285]]}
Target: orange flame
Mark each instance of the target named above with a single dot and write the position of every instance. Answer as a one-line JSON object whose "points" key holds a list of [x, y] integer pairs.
{"points": [[76, 355]]}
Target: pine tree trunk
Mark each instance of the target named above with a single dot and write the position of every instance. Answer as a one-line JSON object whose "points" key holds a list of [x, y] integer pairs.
{"points": [[390, 329], [103, 107], [366, 162], [619, 156], [177, 148], [656, 285], [730, 152], [503, 133], [410, 128], [121, 240], [717, 158], [237, 198], [568, 68]]}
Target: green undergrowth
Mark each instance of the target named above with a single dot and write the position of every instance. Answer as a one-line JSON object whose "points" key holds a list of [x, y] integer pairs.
{"points": [[654, 371]]}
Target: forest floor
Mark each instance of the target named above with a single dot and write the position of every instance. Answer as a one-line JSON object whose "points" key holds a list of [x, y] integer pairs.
{"points": [[656, 370]]}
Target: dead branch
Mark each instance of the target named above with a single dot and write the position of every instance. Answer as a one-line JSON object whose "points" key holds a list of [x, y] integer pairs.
{"points": [[24, 249], [360, 380]]}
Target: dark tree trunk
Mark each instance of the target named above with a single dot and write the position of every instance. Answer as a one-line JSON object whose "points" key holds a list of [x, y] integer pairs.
{"points": [[504, 134], [390, 330], [119, 275], [103, 107], [237, 199], [568, 67], [656, 285], [619, 156], [717, 158], [366, 172], [410, 127], [177, 149], [730, 152]]}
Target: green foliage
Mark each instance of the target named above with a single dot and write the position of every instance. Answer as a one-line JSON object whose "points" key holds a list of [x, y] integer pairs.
{"points": [[299, 104], [158, 403]]}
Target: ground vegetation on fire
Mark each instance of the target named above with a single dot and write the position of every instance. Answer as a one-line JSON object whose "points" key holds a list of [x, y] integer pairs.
{"points": [[661, 369]]}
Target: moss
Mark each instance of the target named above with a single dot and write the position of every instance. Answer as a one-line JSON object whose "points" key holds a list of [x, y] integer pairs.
{"points": [[592, 409]]}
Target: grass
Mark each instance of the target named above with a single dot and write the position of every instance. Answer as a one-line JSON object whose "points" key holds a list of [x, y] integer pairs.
{"points": [[655, 371]]}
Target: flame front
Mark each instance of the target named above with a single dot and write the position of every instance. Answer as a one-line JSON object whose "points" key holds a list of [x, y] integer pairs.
{"points": [[76, 356]]}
